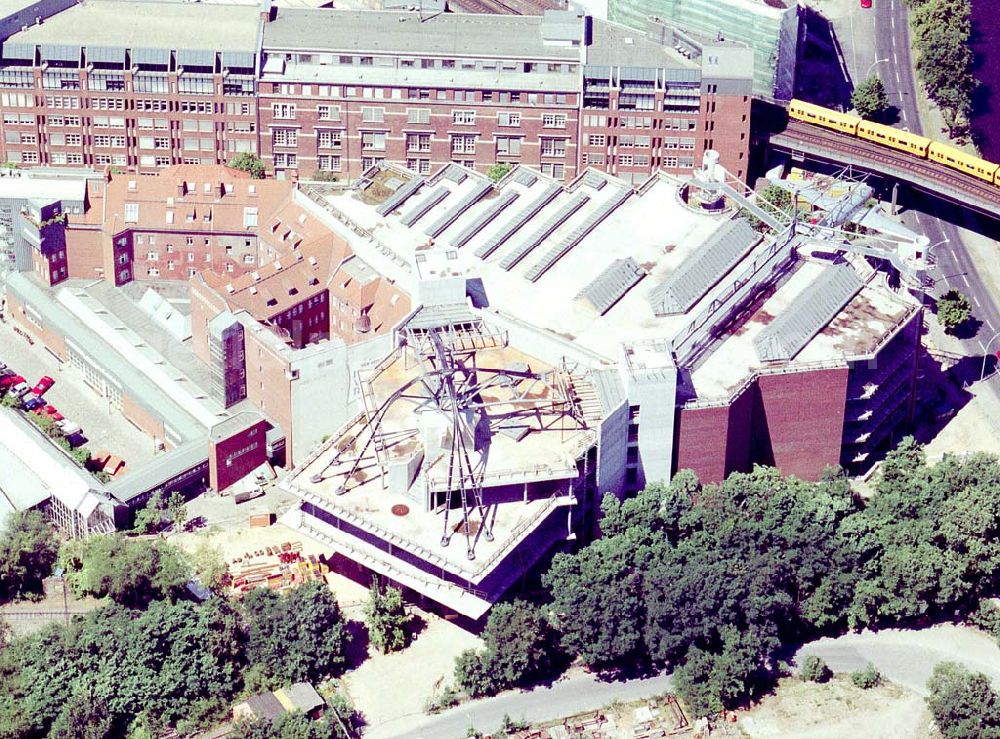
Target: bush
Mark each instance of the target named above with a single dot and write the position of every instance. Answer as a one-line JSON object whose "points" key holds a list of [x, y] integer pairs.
{"points": [[474, 676], [497, 172], [447, 698], [987, 618], [963, 703], [249, 162], [867, 678], [953, 309], [814, 670]]}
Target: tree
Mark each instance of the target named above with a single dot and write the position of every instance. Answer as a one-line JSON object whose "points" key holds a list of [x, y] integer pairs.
{"points": [[385, 616], [953, 309], [298, 635], [290, 726], [132, 572], [28, 549], [249, 162], [774, 200], [149, 518], [84, 716], [869, 99], [497, 172], [177, 508], [963, 703], [520, 645], [814, 669], [473, 674], [209, 566]]}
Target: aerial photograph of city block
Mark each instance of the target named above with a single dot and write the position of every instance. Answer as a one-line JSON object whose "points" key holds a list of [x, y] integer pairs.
{"points": [[499, 369]]}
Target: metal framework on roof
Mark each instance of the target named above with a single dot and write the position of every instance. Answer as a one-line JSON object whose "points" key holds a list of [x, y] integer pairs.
{"points": [[451, 215], [808, 313], [703, 269], [611, 285], [399, 197], [507, 230], [421, 208], [551, 224], [477, 403]]}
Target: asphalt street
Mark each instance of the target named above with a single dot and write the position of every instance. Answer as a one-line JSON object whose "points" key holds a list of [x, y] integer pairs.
{"points": [[877, 39], [570, 696]]}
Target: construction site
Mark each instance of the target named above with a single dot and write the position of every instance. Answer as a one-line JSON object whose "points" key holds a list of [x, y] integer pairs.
{"points": [[572, 340]]}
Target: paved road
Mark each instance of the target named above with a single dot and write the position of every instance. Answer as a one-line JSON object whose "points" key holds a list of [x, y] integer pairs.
{"points": [[567, 697], [877, 39], [908, 657]]}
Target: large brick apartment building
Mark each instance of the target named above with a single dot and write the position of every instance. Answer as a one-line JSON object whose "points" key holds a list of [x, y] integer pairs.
{"points": [[142, 86]]}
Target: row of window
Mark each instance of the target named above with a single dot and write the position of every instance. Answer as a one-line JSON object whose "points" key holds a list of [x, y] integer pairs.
{"points": [[73, 102], [488, 65], [635, 160], [415, 93], [670, 142]]}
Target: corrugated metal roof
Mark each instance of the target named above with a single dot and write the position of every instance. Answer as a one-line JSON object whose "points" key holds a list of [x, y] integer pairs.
{"points": [[441, 315], [699, 272], [611, 285], [808, 313]]}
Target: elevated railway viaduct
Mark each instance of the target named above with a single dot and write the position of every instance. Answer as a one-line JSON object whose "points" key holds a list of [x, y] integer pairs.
{"points": [[803, 141]]}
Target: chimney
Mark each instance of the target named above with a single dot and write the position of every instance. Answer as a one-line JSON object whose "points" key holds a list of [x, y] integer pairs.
{"points": [[267, 11], [181, 189], [222, 190]]}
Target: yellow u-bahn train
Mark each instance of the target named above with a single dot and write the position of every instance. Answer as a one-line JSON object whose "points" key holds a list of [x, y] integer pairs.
{"points": [[919, 146]]}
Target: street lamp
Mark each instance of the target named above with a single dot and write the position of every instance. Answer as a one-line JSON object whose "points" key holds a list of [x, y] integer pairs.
{"points": [[986, 350], [874, 64]]}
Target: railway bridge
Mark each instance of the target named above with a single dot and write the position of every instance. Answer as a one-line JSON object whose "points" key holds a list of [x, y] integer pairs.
{"points": [[805, 141]]}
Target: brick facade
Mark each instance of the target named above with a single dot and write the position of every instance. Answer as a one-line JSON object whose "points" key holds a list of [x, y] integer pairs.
{"points": [[234, 457]]}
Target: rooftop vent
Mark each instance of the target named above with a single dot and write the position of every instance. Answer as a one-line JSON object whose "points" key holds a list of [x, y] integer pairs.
{"points": [[277, 264], [256, 276], [253, 290], [230, 289], [313, 262]]}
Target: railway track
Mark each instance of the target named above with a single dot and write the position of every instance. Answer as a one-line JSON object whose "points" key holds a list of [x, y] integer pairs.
{"points": [[875, 152]]}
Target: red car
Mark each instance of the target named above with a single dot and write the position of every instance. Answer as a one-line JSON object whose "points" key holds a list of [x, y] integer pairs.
{"points": [[52, 413], [10, 381], [866, 3], [43, 385]]}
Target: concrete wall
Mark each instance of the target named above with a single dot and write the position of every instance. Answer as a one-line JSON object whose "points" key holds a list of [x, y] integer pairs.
{"points": [[83, 253]]}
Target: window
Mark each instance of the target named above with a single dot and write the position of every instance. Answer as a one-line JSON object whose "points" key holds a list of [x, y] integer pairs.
{"points": [[418, 142], [74, 158], [74, 139], [463, 144], [284, 111], [553, 147], [153, 256], [463, 117], [373, 140], [553, 120], [420, 166], [286, 160], [558, 171], [595, 159], [285, 136], [162, 161], [327, 139], [418, 115], [329, 162], [373, 115], [57, 158], [153, 272], [508, 119], [131, 212], [328, 112], [625, 160], [249, 218], [508, 146], [161, 143], [597, 139]]}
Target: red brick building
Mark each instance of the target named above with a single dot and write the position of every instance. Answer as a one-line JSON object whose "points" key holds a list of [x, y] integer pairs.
{"points": [[143, 87], [131, 85], [185, 219]]}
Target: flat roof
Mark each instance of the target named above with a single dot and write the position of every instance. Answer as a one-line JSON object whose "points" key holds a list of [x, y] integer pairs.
{"points": [[158, 25], [30, 188], [532, 435], [401, 32], [651, 226], [88, 338], [616, 45]]}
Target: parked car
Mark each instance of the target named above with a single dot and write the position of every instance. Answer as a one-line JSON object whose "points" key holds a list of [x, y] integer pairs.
{"points": [[69, 427], [76, 439], [9, 381], [43, 385], [32, 401], [51, 412], [21, 388]]}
